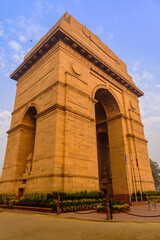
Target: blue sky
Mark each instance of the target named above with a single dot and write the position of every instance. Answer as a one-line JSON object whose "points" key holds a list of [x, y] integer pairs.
{"points": [[130, 28]]}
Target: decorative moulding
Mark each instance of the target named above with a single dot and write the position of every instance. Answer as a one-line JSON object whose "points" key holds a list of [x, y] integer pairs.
{"points": [[76, 68], [86, 31]]}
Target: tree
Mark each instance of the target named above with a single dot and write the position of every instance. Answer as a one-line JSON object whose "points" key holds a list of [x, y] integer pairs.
{"points": [[155, 172]]}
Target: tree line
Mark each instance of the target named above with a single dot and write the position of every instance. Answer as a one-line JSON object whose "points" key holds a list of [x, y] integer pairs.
{"points": [[156, 173]]}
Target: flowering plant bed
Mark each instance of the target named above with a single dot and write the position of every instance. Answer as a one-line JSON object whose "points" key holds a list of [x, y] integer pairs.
{"points": [[114, 208]]}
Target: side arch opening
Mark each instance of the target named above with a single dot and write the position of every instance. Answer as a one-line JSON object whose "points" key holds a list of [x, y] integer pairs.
{"points": [[27, 141]]}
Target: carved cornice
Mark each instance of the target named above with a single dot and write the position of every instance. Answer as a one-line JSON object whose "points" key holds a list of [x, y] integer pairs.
{"points": [[19, 127], [61, 34], [64, 109], [19, 179], [121, 115]]}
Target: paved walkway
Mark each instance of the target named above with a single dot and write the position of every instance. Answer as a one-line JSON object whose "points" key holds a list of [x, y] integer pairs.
{"points": [[28, 226], [143, 211], [138, 213]]}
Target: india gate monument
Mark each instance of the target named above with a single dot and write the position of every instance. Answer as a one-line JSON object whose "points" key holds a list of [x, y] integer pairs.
{"points": [[76, 123]]}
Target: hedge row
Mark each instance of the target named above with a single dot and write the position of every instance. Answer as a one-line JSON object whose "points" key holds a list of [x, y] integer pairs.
{"points": [[146, 195], [45, 199], [153, 197], [77, 205], [152, 193], [48, 197], [68, 201], [63, 203], [36, 197]]}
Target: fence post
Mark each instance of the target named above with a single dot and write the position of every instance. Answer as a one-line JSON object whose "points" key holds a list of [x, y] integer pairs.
{"points": [[108, 213], [58, 205]]}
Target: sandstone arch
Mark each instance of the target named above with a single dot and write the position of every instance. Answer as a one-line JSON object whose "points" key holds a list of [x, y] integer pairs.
{"points": [[110, 142], [75, 108]]}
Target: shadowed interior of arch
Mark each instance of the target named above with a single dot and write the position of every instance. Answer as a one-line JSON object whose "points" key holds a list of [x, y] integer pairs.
{"points": [[105, 108], [27, 141]]}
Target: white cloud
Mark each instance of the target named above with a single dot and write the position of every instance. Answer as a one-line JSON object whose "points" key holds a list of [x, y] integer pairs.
{"points": [[29, 29], [2, 64], [21, 21], [150, 104], [22, 38], [19, 32], [1, 31], [34, 31], [60, 10], [77, 2], [41, 8], [110, 37], [5, 117], [8, 21], [136, 78], [18, 57], [49, 6], [141, 77], [99, 29], [29, 49], [152, 130], [149, 107], [24, 30], [38, 8], [15, 45], [147, 76], [152, 121], [135, 67]]}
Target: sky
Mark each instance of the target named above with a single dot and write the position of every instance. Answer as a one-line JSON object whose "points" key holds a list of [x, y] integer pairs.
{"points": [[130, 28]]}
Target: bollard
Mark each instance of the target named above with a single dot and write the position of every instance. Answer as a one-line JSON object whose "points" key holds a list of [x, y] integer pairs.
{"points": [[108, 213], [58, 205]]}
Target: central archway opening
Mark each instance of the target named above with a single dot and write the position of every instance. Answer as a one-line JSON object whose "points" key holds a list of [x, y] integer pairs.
{"points": [[103, 152], [110, 145]]}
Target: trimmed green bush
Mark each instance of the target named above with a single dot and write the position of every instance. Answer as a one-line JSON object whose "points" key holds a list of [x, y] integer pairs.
{"points": [[152, 193], [153, 197], [138, 196], [43, 199], [146, 195], [6, 197], [78, 195]]}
